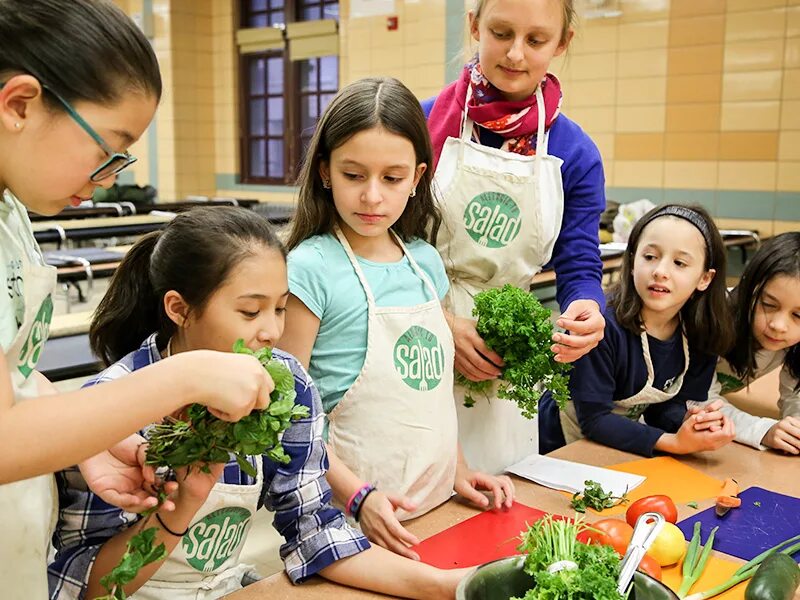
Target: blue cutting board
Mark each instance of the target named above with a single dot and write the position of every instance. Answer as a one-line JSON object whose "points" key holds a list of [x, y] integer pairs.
{"points": [[747, 531]]}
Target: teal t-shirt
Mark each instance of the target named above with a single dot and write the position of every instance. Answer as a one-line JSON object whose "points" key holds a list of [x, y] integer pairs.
{"points": [[321, 276]]}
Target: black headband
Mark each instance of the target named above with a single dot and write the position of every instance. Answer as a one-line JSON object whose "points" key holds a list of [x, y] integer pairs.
{"points": [[687, 214]]}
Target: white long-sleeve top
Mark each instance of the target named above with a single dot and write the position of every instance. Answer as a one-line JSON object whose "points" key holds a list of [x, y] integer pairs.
{"points": [[751, 429]]}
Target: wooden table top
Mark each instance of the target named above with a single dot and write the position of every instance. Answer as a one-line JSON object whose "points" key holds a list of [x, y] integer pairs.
{"points": [[746, 465]]}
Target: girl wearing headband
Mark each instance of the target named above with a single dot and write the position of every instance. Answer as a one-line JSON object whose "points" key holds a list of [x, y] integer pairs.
{"points": [[667, 320]]}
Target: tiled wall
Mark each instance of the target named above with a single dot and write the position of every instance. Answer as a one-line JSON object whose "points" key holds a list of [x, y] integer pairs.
{"points": [[688, 100], [695, 100]]}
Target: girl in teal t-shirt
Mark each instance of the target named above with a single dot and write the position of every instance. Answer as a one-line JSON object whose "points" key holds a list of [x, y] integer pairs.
{"points": [[365, 315]]}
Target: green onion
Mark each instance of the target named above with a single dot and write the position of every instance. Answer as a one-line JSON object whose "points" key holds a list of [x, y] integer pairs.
{"points": [[700, 560], [747, 570]]}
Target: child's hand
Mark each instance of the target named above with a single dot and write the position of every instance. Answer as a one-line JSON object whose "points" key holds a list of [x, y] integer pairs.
{"points": [[688, 440], [468, 482], [230, 385], [381, 526], [708, 417], [784, 435], [586, 325], [474, 360], [118, 476]]}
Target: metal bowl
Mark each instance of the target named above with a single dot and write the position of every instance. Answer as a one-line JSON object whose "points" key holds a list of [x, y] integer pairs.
{"points": [[505, 578]]}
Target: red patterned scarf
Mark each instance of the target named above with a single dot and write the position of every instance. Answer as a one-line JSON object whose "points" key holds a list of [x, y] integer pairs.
{"points": [[517, 121]]}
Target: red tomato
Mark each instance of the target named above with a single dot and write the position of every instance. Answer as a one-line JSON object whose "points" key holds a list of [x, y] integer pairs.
{"points": [[650, 566], [611, 532], [658, 504]]}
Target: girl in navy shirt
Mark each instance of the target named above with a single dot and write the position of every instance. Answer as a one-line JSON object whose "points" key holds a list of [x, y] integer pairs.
{"points": [[666, 322]]}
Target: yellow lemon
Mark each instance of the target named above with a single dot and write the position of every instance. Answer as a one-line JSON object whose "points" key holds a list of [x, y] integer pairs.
{"points": [[669, 545]]}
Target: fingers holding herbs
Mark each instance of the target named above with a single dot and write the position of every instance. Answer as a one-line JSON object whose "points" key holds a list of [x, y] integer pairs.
{"points": [[229, 385]]}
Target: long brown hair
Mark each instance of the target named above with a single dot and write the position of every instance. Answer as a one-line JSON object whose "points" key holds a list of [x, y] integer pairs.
{"points": [[779, 256], [193, 255], [706, 316], [367, 103]]}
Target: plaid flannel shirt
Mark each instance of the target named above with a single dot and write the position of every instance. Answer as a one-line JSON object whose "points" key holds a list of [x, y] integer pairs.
{"points": [[316, 533]]}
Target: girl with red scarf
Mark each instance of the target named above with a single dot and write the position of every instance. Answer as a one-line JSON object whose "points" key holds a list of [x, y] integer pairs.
{"points": [[521, 187]]}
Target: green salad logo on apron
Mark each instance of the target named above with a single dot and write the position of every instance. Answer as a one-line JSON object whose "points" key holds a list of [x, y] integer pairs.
{"points": [[32, 348], [213, 540], [419, 359], [492, 219]]}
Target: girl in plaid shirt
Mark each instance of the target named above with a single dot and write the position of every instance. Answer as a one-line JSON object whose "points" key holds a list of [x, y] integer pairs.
{"points": [[215, 275]]}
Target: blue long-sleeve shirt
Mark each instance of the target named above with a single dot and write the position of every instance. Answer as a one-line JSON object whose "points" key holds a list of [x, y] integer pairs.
{"points": [[616, 370], [576, 254]]}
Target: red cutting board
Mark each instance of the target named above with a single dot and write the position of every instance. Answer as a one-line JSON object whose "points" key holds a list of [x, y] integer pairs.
{"points": [[485, 537]]}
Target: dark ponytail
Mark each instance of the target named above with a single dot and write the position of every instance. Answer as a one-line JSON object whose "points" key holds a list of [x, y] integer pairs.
{"points": [[84, 50], [193, 255], [130, 310]]}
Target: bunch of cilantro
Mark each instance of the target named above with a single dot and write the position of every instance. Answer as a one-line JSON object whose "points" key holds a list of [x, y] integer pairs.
{"points": [[593, 571], [201, 438], [514, 324]]}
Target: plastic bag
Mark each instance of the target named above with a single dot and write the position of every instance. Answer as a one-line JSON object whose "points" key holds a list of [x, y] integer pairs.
{"points": [[627, 216]]}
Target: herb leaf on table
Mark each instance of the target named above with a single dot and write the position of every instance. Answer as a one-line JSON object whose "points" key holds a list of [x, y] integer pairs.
{"points": [[594, 496]]}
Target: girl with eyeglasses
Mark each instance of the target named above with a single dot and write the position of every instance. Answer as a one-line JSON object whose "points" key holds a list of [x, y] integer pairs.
{"points": [[79, 83]]}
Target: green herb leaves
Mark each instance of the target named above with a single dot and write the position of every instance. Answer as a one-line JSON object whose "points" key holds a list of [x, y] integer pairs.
{"points": [[514, 324], [550, 541], [200, 437], [140, 553], [593, 496]]}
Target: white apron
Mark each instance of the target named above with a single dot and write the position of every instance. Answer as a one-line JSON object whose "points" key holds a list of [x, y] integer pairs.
{"points": [[502, 215], [205, 563], [632, 407], [28, 509], [396, 425]]}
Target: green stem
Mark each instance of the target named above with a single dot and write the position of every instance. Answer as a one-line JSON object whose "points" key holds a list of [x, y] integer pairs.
{"points": [[747, 570], [690, 561], [758, 559], [700, 564]]}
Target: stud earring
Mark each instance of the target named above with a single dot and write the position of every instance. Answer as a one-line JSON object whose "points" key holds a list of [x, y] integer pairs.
{"points": [[413, 192], [326, 183], [18, 125]]}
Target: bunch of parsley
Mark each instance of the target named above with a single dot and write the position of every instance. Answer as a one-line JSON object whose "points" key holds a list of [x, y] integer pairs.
{"points": [[201, 438], [514, 324], [592, 572]]}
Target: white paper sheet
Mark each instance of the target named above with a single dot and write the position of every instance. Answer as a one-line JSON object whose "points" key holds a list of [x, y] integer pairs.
{"points": [[571, 476]]}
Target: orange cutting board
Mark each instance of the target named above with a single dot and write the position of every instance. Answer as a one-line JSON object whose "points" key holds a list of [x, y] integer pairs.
{"points": [[717, 571], [667, 476]]}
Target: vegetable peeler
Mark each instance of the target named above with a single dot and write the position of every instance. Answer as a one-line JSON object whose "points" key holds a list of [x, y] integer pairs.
{"points": [[648, 526]]}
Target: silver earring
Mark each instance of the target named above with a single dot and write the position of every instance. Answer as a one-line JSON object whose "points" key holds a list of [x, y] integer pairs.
{"points": [[326, 183], [413, 192]]}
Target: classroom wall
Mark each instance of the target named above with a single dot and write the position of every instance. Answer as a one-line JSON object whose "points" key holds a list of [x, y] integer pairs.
{"points": [[695, 101], [688, 100]]}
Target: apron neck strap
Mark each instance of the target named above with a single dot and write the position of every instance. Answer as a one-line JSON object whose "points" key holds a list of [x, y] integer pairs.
{"points": [[360, 273], [648, 359]]}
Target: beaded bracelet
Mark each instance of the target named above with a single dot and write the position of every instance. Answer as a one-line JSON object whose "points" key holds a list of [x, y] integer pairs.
{"points": [[353, 507]]}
